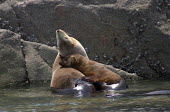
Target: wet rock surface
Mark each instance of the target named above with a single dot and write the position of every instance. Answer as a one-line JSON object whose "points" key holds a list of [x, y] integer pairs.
{"points": [[39, 59], [133, 35], [12, 64], [23, 61]]}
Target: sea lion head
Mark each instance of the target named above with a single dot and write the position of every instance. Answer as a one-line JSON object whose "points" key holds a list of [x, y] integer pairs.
{"points": [[67, 45], [68, 61], [63, 39], [73, 61]]}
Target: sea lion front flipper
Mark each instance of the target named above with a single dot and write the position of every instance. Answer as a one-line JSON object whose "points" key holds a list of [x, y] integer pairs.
{"points": [[117, 86], [86, 81]]}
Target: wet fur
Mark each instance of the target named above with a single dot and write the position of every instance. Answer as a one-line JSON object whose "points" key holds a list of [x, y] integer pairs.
{"points": [[94, 71], [63, 78]]}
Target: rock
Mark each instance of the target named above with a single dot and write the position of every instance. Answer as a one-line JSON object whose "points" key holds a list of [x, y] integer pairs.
{"points": [[134, 35], [168, 12], [39, 59], [22, 61], [12, 69], [123, 74], [8, 17]]}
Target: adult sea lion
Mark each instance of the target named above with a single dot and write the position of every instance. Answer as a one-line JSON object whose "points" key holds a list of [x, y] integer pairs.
{"points": [[64, 77]]}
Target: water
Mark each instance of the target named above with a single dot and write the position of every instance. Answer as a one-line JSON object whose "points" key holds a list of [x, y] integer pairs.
{"points": [[38, 98]]}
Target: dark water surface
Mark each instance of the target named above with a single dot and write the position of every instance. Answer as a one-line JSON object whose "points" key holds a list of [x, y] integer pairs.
{"points": [[39, 99]]}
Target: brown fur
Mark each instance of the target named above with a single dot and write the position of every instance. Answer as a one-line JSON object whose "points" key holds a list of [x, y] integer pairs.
{"points": [[64, 77], [95, 71]]}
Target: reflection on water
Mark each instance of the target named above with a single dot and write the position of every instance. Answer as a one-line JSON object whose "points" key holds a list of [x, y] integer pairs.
{"points": [[39, 98]]}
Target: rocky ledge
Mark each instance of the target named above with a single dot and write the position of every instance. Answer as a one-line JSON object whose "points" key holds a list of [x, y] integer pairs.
{"points": [[29, 62]]}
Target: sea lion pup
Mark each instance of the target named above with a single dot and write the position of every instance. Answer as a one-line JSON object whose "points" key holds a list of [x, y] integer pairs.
{"points": [[94, 71], [63, 78]]}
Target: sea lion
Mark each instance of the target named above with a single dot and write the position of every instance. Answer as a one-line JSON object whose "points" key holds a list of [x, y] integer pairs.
{"points": [[93, 71], [100, 86], [64, 77], [82, 88]]}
